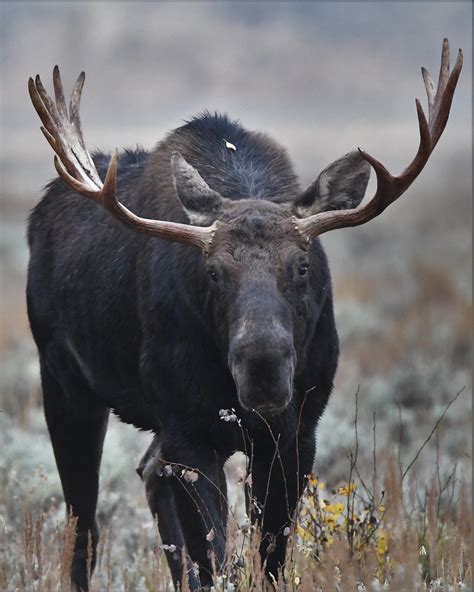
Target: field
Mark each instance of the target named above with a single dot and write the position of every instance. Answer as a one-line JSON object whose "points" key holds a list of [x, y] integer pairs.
{"points": [[388, 504], [387, 507]]}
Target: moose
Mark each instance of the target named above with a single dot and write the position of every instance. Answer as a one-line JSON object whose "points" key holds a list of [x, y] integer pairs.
{"points": [[199, 291]]}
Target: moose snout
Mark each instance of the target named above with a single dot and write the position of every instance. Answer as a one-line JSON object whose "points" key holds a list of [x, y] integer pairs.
{"points": [[263, 370]]}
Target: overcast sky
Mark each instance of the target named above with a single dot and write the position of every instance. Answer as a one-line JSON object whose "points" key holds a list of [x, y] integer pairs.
{"points": [[322, 78]]}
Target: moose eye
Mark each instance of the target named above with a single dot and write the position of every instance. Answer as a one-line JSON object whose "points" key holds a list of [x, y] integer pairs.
{"points": [[303, 268], [212, 273]]}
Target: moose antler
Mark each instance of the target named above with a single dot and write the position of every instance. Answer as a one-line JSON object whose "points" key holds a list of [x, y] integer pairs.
{"points": [[390, 188], [75, 166]]}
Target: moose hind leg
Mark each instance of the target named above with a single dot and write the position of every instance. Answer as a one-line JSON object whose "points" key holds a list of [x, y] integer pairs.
{"points": [[77, 432]]}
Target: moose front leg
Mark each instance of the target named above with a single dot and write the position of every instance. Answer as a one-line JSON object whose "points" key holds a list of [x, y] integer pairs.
{"points": [[278, 481], [196, 481]]}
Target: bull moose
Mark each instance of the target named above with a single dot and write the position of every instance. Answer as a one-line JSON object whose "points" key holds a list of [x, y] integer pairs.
{"points": [[199, 286]]}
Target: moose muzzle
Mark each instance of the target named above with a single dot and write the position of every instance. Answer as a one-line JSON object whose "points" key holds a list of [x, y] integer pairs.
{"points": [[262, 361]]}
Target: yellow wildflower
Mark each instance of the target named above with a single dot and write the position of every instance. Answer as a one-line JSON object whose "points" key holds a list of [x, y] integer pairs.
{"points": [[336, 508], [304, 533], [347, 489]]}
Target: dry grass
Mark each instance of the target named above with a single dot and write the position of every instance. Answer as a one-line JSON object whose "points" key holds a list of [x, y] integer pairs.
{"points": [[341, 542], [381, 531]]}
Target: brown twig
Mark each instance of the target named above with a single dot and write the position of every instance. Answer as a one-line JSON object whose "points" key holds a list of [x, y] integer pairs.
{"points": [[440, 419], [353, 464], [277, 449]]}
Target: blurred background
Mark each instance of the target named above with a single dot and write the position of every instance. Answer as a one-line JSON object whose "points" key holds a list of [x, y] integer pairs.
{"points": [[322, 78]]}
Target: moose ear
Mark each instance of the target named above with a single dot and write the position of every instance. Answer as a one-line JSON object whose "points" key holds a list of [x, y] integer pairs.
{"points": [[199, 201], [341, 186]]}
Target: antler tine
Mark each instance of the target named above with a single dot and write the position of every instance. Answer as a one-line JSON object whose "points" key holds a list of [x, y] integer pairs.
{"points": [[74, 110], [443, 70], [389, 187], [425, 148], [75, 166], [443, 102], [430, 90], [38, 104], [59, 94], [75, 101]]}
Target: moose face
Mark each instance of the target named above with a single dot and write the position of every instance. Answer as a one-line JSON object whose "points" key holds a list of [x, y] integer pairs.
{"points": [[258, 283], [265, 286]]}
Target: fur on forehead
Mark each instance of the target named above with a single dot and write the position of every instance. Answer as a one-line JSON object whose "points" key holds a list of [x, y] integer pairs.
{"points": [[253, 222], [242, 209]]}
